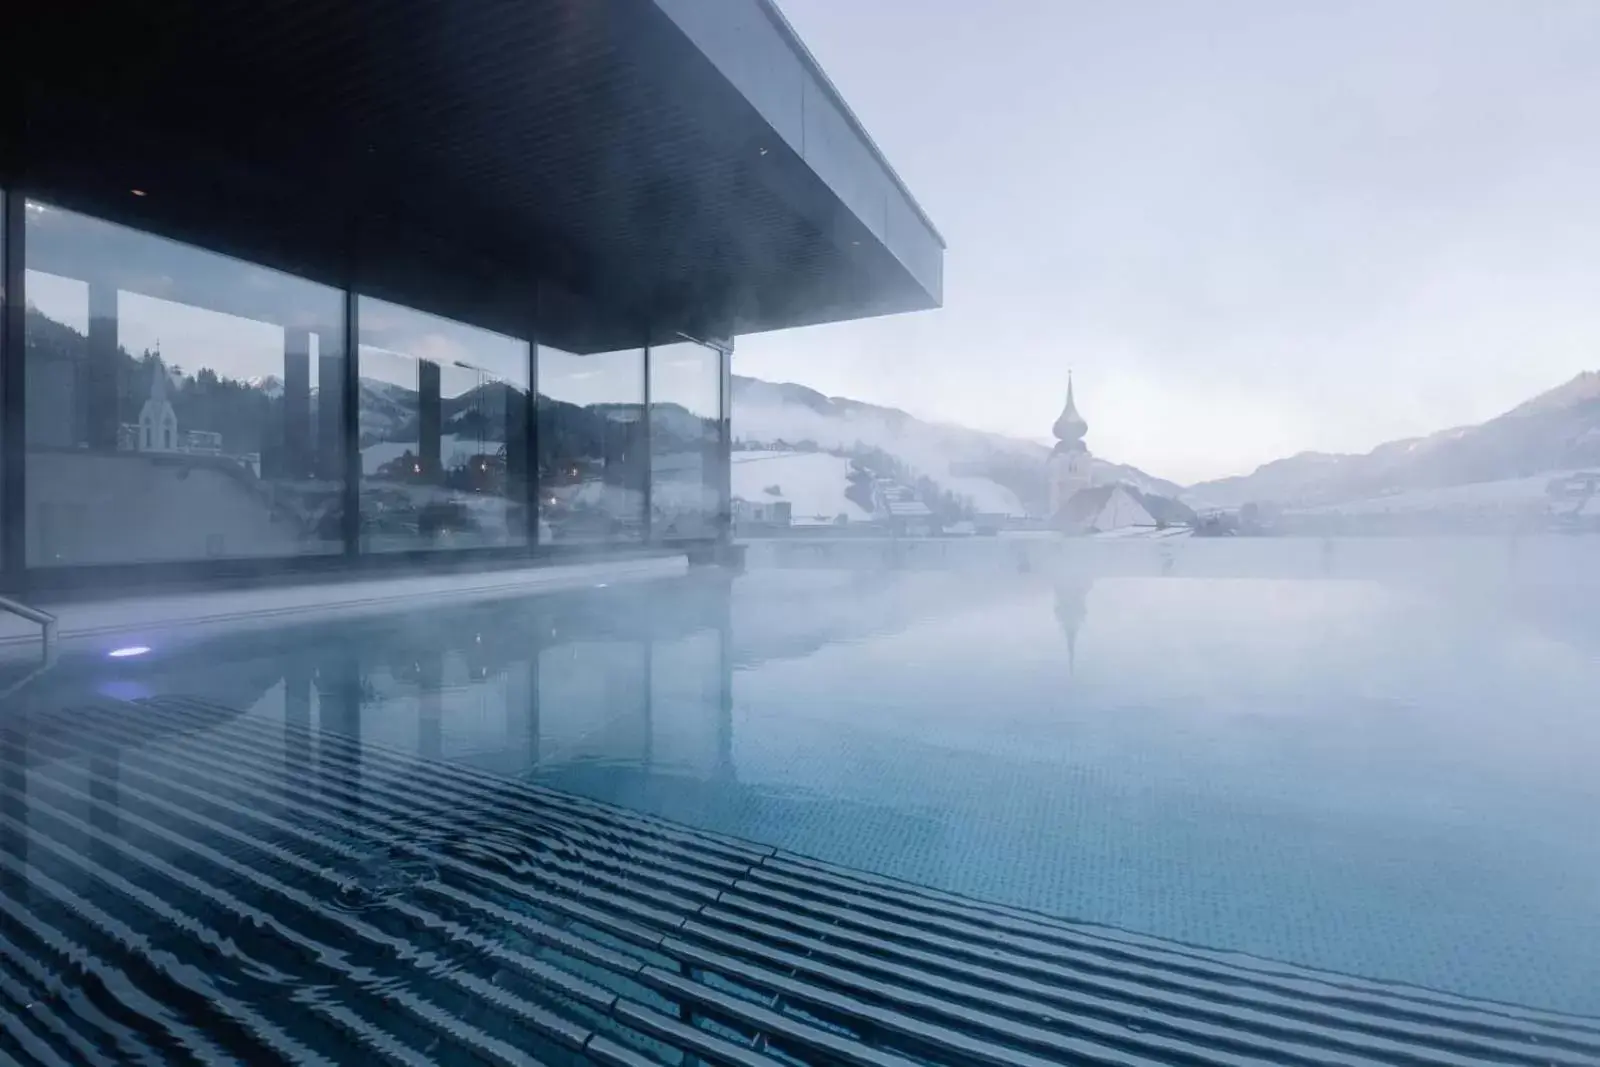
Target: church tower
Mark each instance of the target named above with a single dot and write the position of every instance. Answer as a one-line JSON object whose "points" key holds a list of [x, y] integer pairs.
{"points": [[1069, 460], [158, 423]]}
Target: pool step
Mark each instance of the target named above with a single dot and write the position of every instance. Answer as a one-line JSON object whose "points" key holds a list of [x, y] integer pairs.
{"points": [[180, 883]]}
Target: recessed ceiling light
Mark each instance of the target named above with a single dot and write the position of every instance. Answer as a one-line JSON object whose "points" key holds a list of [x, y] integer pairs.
{"points": [[137, 192]]}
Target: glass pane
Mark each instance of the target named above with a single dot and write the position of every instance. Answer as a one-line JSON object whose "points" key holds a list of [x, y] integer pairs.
{"points": [[5, 354], [685, 429], [180, 405], [443, 432], [592, 462]]}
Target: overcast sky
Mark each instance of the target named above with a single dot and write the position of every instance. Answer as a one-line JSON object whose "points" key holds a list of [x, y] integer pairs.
{"points": [[1251, 227]]}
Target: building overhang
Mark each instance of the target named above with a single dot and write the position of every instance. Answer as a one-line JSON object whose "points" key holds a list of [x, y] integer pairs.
{"points": [[649, 167]]}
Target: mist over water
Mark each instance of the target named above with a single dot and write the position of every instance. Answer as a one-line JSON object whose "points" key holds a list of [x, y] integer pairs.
{"points": [[1372, 756]]}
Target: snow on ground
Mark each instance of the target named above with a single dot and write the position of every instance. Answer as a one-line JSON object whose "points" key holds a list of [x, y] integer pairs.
{"points": [[984, 495], [764, 413], [1144, 533], [1508, 495], [812, 482]]}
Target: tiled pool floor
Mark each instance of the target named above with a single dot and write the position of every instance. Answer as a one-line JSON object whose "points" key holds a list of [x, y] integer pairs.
{"points": [[1339, 774], [188, 884]]}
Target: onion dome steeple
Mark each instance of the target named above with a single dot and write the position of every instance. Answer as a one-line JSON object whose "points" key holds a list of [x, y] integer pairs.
{"points": [[1070, 427]]}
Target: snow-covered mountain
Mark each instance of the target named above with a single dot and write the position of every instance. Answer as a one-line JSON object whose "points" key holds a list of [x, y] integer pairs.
{"points": [[1556, 431], [385, 409], [993, 472], [270, 384]]}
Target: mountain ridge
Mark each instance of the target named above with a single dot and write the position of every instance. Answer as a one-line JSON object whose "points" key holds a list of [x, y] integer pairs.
{"points": [[1556, 430]]}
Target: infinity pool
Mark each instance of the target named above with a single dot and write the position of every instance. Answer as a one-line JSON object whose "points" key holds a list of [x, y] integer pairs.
{"points": [[1357, 776]]}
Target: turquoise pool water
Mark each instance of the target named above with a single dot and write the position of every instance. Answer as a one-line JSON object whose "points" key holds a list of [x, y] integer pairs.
{"points": [[1362, 776]]}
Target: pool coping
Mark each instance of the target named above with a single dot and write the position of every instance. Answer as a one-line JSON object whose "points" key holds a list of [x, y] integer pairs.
{"points": [[82, 622]]}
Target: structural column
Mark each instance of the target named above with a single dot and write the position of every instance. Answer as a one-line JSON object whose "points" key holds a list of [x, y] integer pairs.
{"points": [[645, 452], [430, 419], [339, 412], [13, 429], [516, 462], [101, 370], [724, 463], [330, 405], [297, 403]]}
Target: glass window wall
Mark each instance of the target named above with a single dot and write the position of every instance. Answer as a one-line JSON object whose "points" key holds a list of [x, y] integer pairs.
{"points": [[593, 466], [685, 435], [179, 405], [443, 432], [5, 354]]}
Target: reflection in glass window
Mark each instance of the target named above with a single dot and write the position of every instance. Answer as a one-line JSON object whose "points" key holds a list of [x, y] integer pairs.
{"points": [[443, 410], [685, 430], [592, 461], [4, 355], [180, 405]]}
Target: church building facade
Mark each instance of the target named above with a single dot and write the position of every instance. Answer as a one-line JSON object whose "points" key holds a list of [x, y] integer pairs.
{"points": [[1077, 504]]}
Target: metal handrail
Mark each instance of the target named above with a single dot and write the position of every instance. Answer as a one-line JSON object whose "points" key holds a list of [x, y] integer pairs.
{"points": [[46, 621]]}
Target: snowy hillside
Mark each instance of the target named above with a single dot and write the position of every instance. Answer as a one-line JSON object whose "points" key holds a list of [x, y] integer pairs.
{"points": [[813, 483], [385, 409], [993, 473]]}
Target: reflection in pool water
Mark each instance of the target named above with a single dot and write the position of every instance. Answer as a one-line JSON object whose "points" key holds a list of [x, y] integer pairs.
{"points": [[1367, 777]]}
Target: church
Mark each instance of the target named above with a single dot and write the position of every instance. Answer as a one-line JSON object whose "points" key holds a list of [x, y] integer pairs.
{"points": [[158, 422], [1077, 505]]}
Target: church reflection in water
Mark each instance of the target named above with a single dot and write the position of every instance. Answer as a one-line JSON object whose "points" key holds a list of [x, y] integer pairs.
{"points": [[1072, 610]]}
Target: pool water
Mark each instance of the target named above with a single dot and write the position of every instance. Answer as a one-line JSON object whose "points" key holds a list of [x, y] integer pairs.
{"points": [[1367, 777]]}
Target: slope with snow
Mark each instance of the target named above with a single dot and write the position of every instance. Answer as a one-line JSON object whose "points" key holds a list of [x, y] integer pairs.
{"points": [[813, 483], [991, 472], [984, 494]]}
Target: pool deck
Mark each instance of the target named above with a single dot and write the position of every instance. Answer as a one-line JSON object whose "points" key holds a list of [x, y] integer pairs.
{"points": [[183, 874]]}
